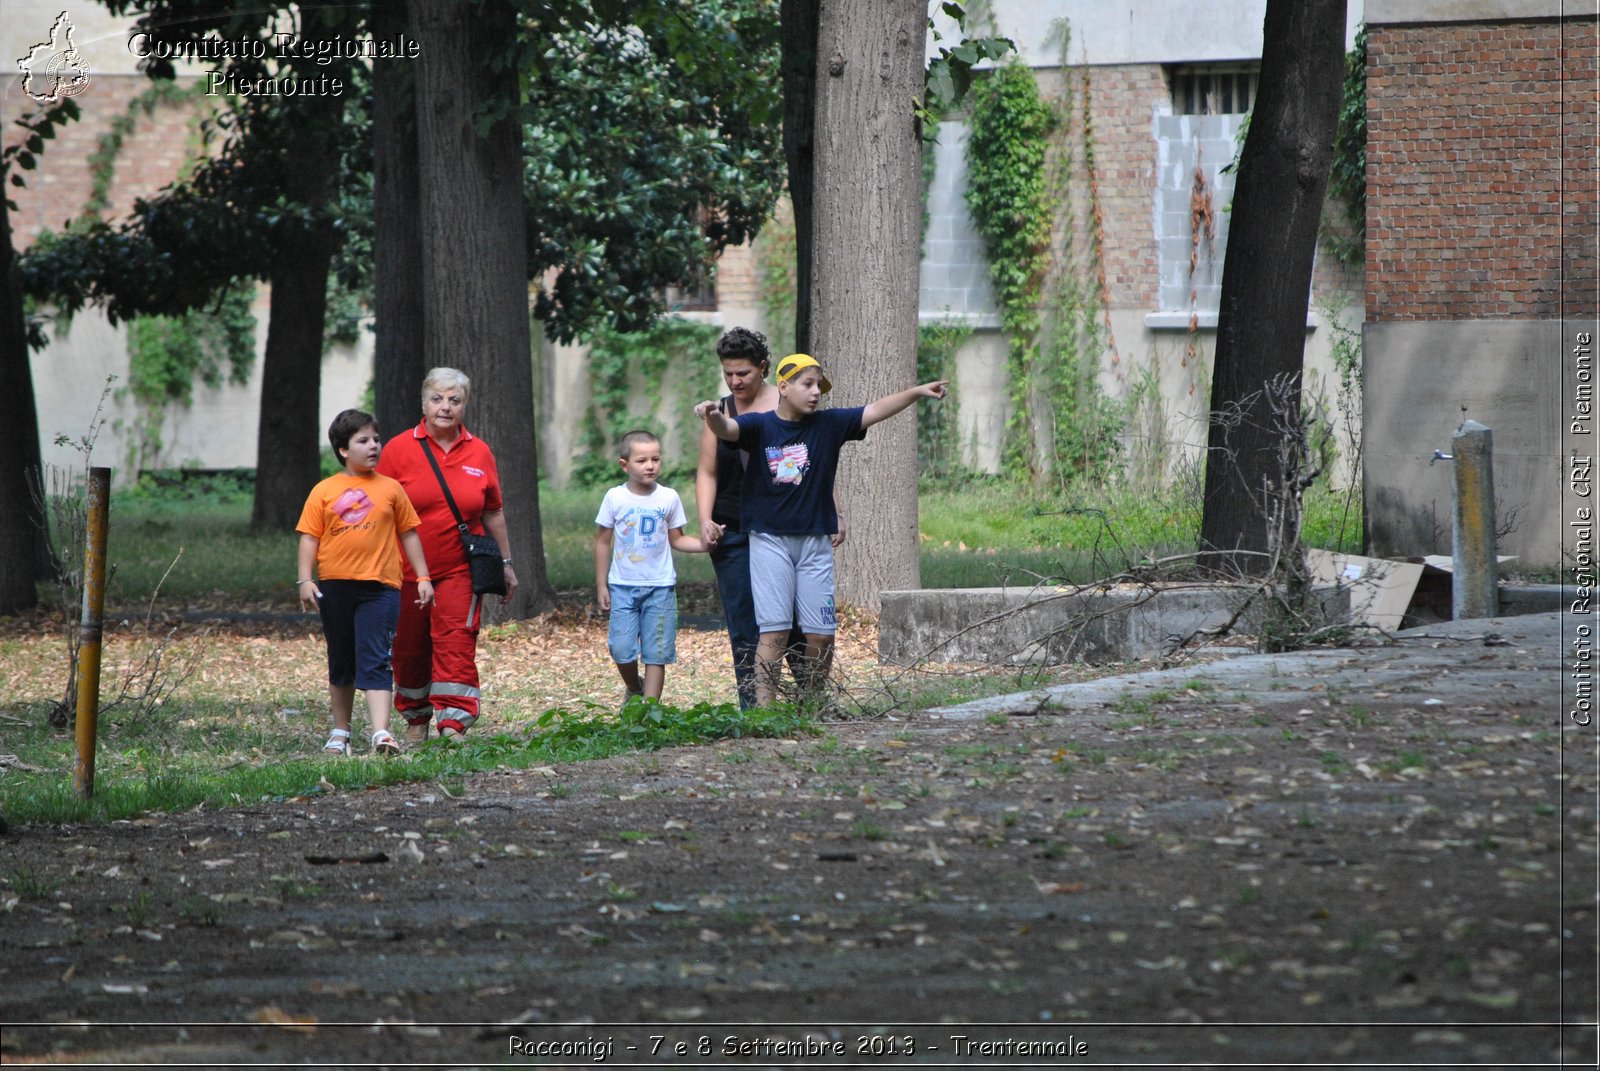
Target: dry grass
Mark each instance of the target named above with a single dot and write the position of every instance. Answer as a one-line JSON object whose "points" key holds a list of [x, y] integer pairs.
{"points": [[527, 667]]}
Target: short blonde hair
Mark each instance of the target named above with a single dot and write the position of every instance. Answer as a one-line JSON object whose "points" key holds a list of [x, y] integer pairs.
{"points": [[445, 378]]}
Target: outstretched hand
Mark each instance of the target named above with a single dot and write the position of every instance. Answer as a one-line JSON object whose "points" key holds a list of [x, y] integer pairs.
{"points": [[702, 410], [937, 389]]}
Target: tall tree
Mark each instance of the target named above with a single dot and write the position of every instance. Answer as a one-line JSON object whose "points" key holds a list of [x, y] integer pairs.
{"points": [[867, 172], [398, 360], [799, 21], [25, 550], [475, 256], [287, 459], [653, 129], [19, 518], [1266, 281]]}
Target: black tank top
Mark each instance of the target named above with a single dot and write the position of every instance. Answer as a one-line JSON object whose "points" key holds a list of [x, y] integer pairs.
{"points": [[730, 475]]}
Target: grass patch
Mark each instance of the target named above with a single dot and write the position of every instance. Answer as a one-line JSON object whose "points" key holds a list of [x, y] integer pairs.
{"points": [[556, 736]]}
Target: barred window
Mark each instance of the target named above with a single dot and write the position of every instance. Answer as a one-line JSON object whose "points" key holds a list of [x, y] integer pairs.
{"points": [[1213, 89]]}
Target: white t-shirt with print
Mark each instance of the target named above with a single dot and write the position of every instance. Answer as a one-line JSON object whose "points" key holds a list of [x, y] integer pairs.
{"points": [[640, 553]]}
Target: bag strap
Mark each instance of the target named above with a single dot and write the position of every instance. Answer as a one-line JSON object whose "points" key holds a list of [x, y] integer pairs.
{"points": [[449, 500]]}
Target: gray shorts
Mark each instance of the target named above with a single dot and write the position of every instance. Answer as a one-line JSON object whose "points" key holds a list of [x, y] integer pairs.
{"points": [[792, 575]]}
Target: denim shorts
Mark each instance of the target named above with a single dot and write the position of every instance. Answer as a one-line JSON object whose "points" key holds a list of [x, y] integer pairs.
{"points": [[358, 620], [643, 620]]}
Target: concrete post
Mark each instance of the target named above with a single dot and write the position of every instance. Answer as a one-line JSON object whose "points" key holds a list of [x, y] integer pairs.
{"points": [[1475, 585]]}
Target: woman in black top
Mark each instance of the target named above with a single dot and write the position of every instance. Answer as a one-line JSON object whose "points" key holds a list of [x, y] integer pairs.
{"points": [[745, 362]]}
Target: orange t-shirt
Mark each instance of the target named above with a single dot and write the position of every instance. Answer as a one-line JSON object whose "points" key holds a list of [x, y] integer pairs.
{"points": [[357, 522]]}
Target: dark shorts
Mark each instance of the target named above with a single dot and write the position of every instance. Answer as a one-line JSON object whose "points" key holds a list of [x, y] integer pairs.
{"points": [[358, 619]]}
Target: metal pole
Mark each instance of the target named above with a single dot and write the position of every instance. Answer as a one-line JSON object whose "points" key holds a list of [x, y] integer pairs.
{"points": [[1475, 580], [89, 632]]}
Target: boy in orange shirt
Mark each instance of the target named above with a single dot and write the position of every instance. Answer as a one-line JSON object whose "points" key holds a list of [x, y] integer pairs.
{"points": [[348, 532]]}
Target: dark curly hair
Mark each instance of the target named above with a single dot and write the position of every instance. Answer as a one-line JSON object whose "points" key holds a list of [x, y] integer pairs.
{"points": [[344, 427], [741, 343]]}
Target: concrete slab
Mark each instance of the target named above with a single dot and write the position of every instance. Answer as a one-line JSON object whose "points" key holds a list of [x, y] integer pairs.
{"points": [[1016, 625], [1452, 663]]}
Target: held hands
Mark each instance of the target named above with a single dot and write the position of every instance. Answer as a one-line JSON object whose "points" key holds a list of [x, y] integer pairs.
{"points": [[424, 592], [309, 593], [710, 532]]}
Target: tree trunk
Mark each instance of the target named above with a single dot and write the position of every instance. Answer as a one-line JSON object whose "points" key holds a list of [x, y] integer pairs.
{"points": [[864, 273], [1266, 281], [289, 438], [399, 363], [21, 527], [798, 20], [474, 271]]}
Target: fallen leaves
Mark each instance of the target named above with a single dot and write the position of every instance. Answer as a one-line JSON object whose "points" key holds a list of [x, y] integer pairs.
{"points": [[273, 1015]]}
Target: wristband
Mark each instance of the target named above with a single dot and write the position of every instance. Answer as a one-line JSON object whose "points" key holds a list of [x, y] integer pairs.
{"points": [[307, 580], [420, 579], [505, 561]]}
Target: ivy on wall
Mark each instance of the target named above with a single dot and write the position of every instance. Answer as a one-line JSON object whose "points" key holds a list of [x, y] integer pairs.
{"points": [[1008, 197], [102, 163], [1054, 307], [1347, 181], [938, 429], [167, 355], [776, 264], [630, 374]]}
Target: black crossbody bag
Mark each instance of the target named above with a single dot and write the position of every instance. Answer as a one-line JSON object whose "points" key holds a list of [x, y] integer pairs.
{"points": [[483, 553]]}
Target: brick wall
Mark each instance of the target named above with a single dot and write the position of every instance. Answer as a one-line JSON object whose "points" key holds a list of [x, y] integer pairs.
{"points": [[58, 189], [1122, 100], [1480, 170]]}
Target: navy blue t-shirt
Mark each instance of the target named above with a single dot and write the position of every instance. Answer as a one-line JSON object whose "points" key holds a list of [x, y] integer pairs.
{"points": [[788, 484]]}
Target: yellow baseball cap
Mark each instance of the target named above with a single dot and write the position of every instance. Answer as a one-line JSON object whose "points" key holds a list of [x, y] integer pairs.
{"points": [[790, 366]]}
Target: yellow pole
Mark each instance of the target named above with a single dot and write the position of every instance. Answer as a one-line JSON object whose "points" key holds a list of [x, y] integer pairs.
{"points": [[90, 631]]}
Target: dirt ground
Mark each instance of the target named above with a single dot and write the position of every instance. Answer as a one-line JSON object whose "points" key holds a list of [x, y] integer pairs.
{"points": [[1357, 857]]}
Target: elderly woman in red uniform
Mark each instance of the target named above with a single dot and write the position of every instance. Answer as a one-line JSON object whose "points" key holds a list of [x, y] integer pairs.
{"points": [[436, 647]]}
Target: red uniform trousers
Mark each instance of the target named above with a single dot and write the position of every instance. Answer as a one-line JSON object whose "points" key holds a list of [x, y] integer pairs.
{"points": [[435, 653]]}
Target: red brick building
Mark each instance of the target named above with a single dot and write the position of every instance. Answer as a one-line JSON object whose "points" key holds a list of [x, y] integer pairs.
{"points": [[1481, 256]]}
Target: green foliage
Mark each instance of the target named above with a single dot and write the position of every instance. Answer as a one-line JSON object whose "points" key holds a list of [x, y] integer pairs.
{"points": [[103, 161], [22, 154], [949, 73], [1060, 424], [672, 359], [648, 724], [938, 429], [1008, 195], [649, 147], [1007, 191], [168, 354], [557, 736], [1347, 180], [777, 267]]}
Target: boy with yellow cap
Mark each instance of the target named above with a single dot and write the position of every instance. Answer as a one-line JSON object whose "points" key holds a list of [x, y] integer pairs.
{"points": [[786, 505]]}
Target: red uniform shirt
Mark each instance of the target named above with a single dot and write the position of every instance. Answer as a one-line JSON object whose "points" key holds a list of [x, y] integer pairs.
{"points": [[474, 483]]}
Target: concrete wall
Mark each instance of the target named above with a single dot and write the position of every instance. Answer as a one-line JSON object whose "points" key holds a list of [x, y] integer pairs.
{"points": [[217, 431], [1162, 316], [1423, 379]]}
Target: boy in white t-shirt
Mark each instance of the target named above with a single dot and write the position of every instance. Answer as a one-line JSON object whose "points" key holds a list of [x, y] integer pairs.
{"points": [[634, 577]]}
